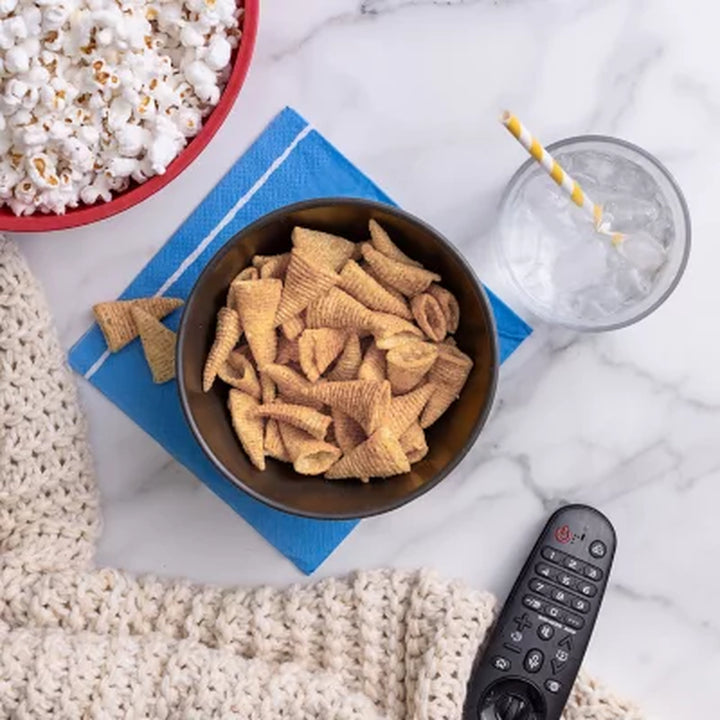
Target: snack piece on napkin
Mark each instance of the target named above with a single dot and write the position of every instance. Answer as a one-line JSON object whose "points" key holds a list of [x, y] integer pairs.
{"points": [[158, 344]]}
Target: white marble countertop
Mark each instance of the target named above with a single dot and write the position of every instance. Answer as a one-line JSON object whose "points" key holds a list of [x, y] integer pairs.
{"points": [[629, 421]]}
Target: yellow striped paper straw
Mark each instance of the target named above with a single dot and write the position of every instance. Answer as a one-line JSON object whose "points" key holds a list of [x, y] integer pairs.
{"points": [[553, 168]]}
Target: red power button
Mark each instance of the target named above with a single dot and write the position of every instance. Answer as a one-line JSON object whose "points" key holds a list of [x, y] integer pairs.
{"points": [[563, 534]]}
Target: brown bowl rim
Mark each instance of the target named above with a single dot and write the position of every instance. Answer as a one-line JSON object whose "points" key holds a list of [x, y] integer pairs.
{"points": [[480, 423]]}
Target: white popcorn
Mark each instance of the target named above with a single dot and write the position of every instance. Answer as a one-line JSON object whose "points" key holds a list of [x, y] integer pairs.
{"points": [[95, 94]]}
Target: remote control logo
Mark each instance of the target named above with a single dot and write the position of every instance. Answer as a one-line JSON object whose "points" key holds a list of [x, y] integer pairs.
{"points": [[563, 534]]}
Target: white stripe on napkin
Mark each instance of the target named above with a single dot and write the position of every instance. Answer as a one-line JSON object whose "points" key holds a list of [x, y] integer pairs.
{"points": [[202, 245]]}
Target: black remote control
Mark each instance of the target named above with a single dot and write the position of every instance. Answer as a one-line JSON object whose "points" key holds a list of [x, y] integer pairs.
{"points": [[531, 659]]}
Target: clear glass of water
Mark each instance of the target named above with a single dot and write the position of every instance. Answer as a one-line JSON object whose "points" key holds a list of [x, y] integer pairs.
{"points": [[568, 273]]}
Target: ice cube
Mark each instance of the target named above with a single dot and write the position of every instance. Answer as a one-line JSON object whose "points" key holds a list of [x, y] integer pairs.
{"points": [[628, 214], [643, 252], [582, 265]]}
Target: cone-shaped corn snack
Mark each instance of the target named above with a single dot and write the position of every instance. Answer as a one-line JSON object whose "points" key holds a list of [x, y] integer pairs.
{"points": [[116, 322], [406, 409], [336, 309], [346, 368], [448, 304], [373, 365], [429, 316], [293, 386], [414, 444], [379, 456], [274, 446], [381, 241], [238, 372], [306, 278], [268, 389], [248, 428], [249, 273], [227, 334], [288, 351], [292, 328], [388, 288], [393, 341], [364, 288], [256, 303], [408, 279], [330, 250], [386, 325], [318, 348], [311, 421], [449, 374], [348, 432], [272, 266], [408, 364], [365, 401], [158, 344], [308, 455]]}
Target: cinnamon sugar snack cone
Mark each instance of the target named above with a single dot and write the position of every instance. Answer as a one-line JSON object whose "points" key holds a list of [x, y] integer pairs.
{"points": [[381, 241], [292, 328], [393, 341], [249, 273], [408, 364], [365, 267], [364, 288], [308, 455], [449, 305], [406, 409], [293, 386], [365, 401], [347, 365], [379, 456], [386, 325], [408, 279], [348, 432], [272, 266], [330, 250], [268, 389], [257, 302], [373, 365], [116, 321], [337, 309], [248, 428], [414, 444], [429, 316], [318, 348], [158, 344], [239, 372], [311, 421], [449, 375], [227, 334], [274, 446], [307, 277]]}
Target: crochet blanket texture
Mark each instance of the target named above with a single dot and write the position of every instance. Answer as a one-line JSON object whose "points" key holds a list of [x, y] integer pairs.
{"points": [[77, 642]]}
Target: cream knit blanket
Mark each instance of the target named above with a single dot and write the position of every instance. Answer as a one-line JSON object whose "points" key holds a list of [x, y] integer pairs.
{"points": [[77, 642]]}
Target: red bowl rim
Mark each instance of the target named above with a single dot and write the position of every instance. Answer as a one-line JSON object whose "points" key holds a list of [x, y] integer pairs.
{"points": [[9, 222]]}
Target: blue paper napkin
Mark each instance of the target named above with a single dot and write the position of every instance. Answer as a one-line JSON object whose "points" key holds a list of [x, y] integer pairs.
{"points": [[289, 162]]}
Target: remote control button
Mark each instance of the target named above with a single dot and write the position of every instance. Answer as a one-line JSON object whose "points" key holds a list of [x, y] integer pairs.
{"points": [[573, 564], [516, 636], [565, 580], [574, 621], [553, 686], [512, 648], [546, 631], [554, 612], [540, 587], [587, 589], [562, 656], [511, 706], [544, 571], [566, 643], [554, 556], [534, 661], [501, 663], [581, 605], [556, 666], [561, 596], [532, 602], [522, 622], [598, 549], [592, 573]]}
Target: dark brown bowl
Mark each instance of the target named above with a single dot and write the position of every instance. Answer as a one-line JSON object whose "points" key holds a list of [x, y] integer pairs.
{"points": [[279, 485]]}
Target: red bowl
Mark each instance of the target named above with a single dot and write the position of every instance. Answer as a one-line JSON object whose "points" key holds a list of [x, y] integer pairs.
{"points": [[86, 214]]}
